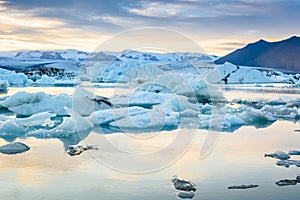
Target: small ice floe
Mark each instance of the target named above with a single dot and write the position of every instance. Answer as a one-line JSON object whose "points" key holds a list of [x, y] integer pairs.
{"points": [[278, 155], [256, 116], [287, 182], [185, 194], [14, 148], [241, 187], [75, 150], [288, 163], [184, 185], [294, 152]]}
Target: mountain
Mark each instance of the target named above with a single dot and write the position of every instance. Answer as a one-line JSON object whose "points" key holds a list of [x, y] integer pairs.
{"points": [[283, 55], [70, 54]]}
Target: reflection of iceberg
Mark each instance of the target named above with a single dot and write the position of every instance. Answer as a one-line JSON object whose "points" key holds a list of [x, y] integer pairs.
{"points": [[14, 148]]}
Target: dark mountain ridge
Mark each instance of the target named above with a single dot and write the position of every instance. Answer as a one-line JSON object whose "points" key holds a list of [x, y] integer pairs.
{"points": [[284, 55]]}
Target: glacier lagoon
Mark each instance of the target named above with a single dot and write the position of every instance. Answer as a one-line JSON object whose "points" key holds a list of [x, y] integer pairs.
{"points": [[46, 171]]}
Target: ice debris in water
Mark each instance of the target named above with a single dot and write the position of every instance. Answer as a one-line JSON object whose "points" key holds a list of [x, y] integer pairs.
{"points": [[74, 150], [14, 148], [294, 152], [256, 116], [184, 185], [278, 155], [287, 182], [288, 163], [241, 187]]}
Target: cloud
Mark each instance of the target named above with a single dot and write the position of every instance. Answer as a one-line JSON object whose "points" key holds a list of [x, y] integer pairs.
{"points": [[214, 20]]}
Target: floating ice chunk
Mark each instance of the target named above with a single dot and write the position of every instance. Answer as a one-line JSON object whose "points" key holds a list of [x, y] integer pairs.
{"points": [[185, 195], [184, 185], [276, 102], [206, 109], [24, 103], [294, 152], [281, 111], [23, 97], [180, 103], [70, 126], [288, 163], [256, 116], [75, 150], [74, 124], [151, 119], [45, 80], [142, 99], [234, 120], [287, 182], [102, 117], [82, 101], [241, 187], [13, 78], [39, 119], [14, 148], [278, 155], [189, 113], [219, 121], [185, 85]]}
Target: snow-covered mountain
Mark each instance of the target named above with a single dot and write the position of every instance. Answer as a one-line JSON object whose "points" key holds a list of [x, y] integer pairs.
{"points": [[69, 54], [47, 66]]}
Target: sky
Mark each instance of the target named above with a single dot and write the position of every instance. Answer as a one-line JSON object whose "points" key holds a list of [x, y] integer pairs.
{"points": [[217, 26]]}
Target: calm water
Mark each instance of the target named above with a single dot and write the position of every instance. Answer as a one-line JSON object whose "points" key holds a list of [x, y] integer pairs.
{"points": [[47, 172]]}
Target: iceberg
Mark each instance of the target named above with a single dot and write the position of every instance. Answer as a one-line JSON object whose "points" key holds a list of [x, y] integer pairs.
{"points": [[13, 78], [241, 187], [191, 86], [75, 150], [45, 80], [26, 104], [39, 119], [282, 111], [74, 124], [288, 163], [70, 126], [141, 99], [287, 182], [146, 121], [12, 128], [279, 155], [103, 117], [294, 152], [256, 116], [184, 185]]}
